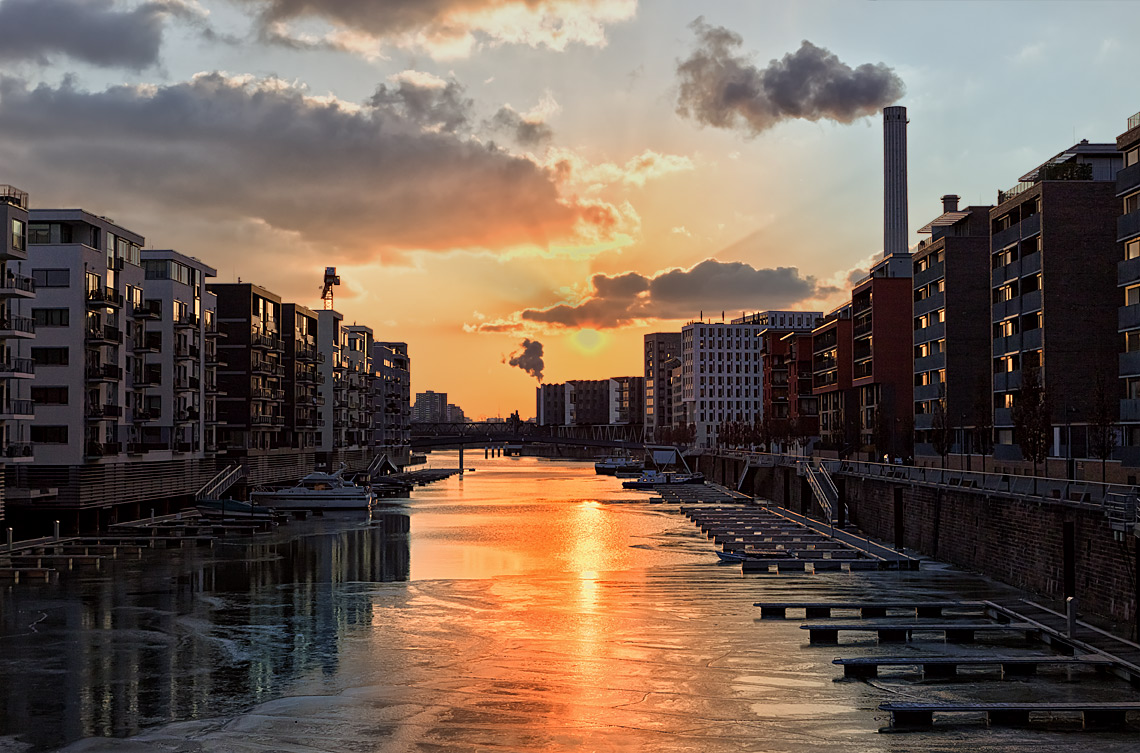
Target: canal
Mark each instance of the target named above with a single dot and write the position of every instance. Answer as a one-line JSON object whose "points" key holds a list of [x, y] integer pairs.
{"points": [[528, 605]]}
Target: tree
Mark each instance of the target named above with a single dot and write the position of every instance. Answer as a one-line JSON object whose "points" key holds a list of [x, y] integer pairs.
{"points": [[1102, 423], [983, 423], [941, 430], [1031, 420], [881, 434]]}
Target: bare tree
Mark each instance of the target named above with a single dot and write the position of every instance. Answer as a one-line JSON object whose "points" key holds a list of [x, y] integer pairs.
{"points": [[941, 429], [1102, 425], [1031, 420], [983, 422]]}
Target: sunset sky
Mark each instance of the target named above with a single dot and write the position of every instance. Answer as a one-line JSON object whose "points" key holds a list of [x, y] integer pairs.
{"points": [[484, 172]]}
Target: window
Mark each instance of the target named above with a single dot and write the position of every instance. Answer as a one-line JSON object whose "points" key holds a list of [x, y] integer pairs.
{"points": [[1132, 249], [1131, 203], [49, 434], [52, 317], [1030, 283], [1006, 328], [19, 241], [1030, 322], [39, 234], [49, 395], [1132, 295], [52, 278], [50, 356], [1132, 156]]}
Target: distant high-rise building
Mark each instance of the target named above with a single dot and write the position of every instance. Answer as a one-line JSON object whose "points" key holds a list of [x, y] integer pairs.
{"points": [[661, 349], [430, 408]]}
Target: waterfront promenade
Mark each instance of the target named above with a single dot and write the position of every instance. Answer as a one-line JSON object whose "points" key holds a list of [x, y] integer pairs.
{"points": [[519, 609]]}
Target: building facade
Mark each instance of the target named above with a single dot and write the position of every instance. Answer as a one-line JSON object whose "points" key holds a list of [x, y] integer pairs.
{"points": [[430, 408], [1128, 279], [392, 388], [722, 376], [662, 349], [1053, 241], [17, 330]]}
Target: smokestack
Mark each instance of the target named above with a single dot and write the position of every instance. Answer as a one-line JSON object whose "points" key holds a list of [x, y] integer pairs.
{"points": [[950, 203], [895, 229]]}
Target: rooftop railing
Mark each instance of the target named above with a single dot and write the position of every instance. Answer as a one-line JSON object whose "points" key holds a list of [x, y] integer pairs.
{"points": [[14, 196], [1134, 121]]}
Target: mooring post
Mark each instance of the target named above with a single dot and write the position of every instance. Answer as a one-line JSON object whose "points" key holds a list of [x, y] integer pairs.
{"points": [[11, 540], [460, 460], [56, 530], [1071, 613]]}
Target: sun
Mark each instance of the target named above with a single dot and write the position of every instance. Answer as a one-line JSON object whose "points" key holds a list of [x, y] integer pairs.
{"points": [[589, 341]]}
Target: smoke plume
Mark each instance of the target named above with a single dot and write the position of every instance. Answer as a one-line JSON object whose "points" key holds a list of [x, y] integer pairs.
{"points": [[529, 358], [720, 87]]}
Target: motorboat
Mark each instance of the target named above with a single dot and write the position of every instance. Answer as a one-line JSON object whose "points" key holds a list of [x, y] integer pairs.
{"points": [[654, 479], [611, 466], [317, 491]]}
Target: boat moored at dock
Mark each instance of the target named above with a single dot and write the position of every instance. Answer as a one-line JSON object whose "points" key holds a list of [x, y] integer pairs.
{"points": [[317, 491], [655, 479]]}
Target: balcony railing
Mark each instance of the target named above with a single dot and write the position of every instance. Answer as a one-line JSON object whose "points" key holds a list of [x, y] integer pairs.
{"points": [[18, 450], [186, 320], [104, 372], [20, 324], [1128, 225], [151, 309], [103, 449], [17, 408], [105, 297], [14, 281], [18, 366]]}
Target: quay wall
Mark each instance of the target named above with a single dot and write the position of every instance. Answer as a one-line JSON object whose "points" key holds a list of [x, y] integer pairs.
{"points": [[1016, 540]]}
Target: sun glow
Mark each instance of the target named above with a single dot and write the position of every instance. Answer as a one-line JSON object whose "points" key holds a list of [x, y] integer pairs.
{"points": [[589, 341]]}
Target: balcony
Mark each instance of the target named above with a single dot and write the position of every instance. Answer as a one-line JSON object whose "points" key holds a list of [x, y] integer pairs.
{"points": [[930, 274], [16, 326], [935, 331], [104, 372], [187, 320], [1130, 410], [104, 412], [186, 384], [17, 410], [1128, 226], [106, 335], [18, 452], [103, 449], [303, 353], [149, 378], [188, 415], [17, 368], [930, 362], [1128, 317], [182, 445], [1007, 381], [151, 343], [1128, 179], [143, 416], [927, 392], [104, 298], [265, 340], [929, 303], [147, 310], [1130, 364], [17, 286], [1003, 417]]}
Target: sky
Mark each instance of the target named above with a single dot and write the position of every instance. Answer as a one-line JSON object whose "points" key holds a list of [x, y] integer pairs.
{"points": [[522, 189]]}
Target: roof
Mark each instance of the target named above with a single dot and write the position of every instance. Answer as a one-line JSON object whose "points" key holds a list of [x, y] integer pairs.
{"points": [[944, 220], [1084, 148]]}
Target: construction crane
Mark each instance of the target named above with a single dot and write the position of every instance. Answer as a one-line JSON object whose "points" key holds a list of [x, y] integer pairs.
{"points": [[331, 278]]}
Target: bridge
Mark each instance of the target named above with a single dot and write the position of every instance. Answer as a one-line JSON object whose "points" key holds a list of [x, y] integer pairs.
{"points": [[426, 436]]}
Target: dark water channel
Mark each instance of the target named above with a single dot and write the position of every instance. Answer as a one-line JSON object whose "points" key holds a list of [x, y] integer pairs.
{"points": [[518, 608]]}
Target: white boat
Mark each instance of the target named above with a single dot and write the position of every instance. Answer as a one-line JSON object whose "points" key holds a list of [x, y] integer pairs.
{"points": [[654, 479], [317, 491], [618, 464]]}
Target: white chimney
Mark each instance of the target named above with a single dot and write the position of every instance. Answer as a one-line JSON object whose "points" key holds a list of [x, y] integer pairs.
{"points": [[895, 228]]}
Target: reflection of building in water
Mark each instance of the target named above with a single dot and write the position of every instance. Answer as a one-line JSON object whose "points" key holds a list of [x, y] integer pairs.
{"points": [[191, 634]]}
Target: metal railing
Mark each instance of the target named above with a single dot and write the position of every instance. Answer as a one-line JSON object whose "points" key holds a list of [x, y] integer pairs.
{"points": [[1133, 122], [14, 281]]}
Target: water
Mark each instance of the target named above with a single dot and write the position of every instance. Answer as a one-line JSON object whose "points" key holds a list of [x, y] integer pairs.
{"points": [[522, 607]]}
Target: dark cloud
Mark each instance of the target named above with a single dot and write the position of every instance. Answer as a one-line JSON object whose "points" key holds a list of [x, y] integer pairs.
{"points": [[522, 131], [722, 88], [388, 175], [444, 23], [90, 31], [676, 294], [529, 358]]}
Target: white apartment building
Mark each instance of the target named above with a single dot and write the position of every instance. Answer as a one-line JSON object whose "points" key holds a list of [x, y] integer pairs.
{"points": [[17, 330], [358, 376], [120, 368], [722, 369]]}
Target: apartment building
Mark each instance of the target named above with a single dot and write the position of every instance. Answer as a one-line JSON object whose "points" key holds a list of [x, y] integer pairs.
{"points": [[552, 405], [1128, 278], [881, 347], [661, 350], [1054, 244], [803, 405], [121, 371], [430, 407], [952, 330], [251, 378], [392, 388], [722, 376], [831, 380], [303, 398], [17, 330], [788, 405], [627, 401], [359, 405]]}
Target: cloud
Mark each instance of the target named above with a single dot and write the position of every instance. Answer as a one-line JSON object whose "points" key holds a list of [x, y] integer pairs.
{"points": [[524, 131], [723, 89], [630, 298], [97, 32], [395, 173], [529, 358], [445, 28], [586, 177]]}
